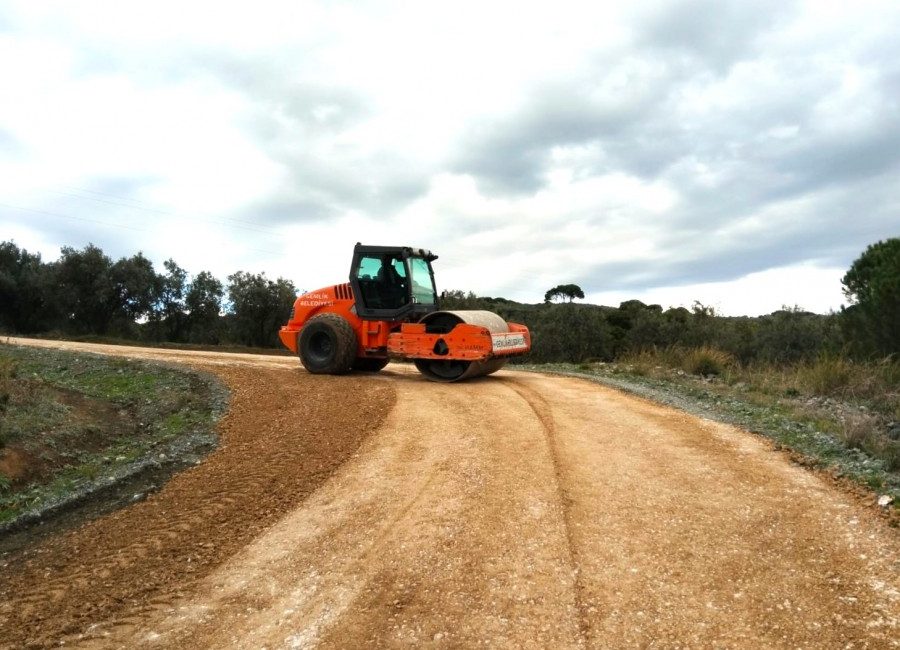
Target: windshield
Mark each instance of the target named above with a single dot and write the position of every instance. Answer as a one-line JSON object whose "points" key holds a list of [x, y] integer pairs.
{"points": [[422, 285]]}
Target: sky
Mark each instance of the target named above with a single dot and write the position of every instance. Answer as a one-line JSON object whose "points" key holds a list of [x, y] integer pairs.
{"points": [[737, 153]]}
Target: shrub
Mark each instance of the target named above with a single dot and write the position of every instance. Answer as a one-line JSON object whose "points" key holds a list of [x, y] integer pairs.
{"points": [[826, 376], [891, 454], [649, 361], [856, 430], [641, 363], [707, 361], [8, 368]]}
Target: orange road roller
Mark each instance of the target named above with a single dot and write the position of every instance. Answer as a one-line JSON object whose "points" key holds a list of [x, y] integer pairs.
{"points": [[390, 308]]}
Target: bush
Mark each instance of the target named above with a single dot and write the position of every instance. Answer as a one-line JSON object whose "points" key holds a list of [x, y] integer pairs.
{"points": [[856, 430], [8, 368], [702, 361], [650, 360], [891, 455], [707, 361], [826, 376], [643, 362]]}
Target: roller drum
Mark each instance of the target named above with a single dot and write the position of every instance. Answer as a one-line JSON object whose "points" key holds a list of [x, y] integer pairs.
{"points": [[441, 322]]}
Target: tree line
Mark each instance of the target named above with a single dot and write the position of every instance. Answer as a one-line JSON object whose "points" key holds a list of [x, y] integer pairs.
{"points": [[85, 292], [868, 328], [571, 332]]}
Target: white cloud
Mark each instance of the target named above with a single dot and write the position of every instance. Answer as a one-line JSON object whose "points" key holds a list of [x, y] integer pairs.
{"points": [[805, 286]]}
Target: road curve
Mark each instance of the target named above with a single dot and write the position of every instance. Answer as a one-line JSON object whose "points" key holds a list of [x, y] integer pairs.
{"points": [[517, 510]]}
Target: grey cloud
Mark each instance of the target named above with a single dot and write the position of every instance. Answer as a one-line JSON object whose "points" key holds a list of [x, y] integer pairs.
{"points": [[705, 250], [712, 263], [805, 180], [635, 127], [297, 123], [511, 154], [128, 187], [288, 208], [643, 134], [716, 32], [768, 172], [280, 93], [837, 160], [316, 189], [59, 221]]}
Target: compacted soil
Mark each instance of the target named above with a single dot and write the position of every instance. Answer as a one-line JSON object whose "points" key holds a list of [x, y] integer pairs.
{"points": [[517, 510]]}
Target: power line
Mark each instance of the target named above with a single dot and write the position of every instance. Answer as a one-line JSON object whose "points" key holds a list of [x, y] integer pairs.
{"points": [[106, 223], [68, 216], [141, 205]]}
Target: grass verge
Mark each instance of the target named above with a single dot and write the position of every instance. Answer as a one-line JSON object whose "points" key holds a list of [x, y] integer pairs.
{"points": [[75, 424]]}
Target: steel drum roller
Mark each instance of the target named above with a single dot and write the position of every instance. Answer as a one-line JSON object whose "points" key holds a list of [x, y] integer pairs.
{"points": [[441, 322]]}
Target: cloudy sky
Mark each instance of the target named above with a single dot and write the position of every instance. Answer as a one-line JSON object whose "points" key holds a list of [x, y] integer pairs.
{"points": [[740, 153]]}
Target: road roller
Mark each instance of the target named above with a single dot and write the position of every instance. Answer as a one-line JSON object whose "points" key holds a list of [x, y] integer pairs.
{"points": [[390, 309]]}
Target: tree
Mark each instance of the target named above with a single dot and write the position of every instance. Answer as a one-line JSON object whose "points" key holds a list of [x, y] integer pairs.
{"points": [[27, 302], [792, 334], [570, 291], [97, 296], [569, 333], [259, 307], [170, 319], [872, 285], [136, 288], [203, 302], [85, 289]]}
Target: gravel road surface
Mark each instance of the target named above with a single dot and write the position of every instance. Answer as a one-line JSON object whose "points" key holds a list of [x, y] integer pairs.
{"points": [[517, 510]]}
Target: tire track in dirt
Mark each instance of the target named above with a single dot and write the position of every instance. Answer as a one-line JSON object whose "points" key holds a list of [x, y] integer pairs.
{"points": [[284, 434], [544, 414], [694, 533], [438, 529]]}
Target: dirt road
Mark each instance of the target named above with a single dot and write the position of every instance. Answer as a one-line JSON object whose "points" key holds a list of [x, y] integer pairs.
{"points": [[517, 510]]}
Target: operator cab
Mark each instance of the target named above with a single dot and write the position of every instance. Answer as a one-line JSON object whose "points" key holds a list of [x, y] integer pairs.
{"points": [[393, 283]]}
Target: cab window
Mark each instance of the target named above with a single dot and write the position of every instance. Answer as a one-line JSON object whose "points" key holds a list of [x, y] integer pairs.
{"points": [[368, 268], [383, 281], [422, 285]]}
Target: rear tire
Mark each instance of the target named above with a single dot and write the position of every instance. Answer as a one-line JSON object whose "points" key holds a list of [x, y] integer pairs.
{"points": [[369, 364], [327, 345]]}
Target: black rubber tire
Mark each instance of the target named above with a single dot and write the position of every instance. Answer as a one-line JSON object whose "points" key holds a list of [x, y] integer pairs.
{"points": [[369, 364], [327, 345]]}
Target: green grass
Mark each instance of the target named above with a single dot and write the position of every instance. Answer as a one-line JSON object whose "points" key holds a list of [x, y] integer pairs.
{"points": [[117, 380], [76, 418], [175, 424]]}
